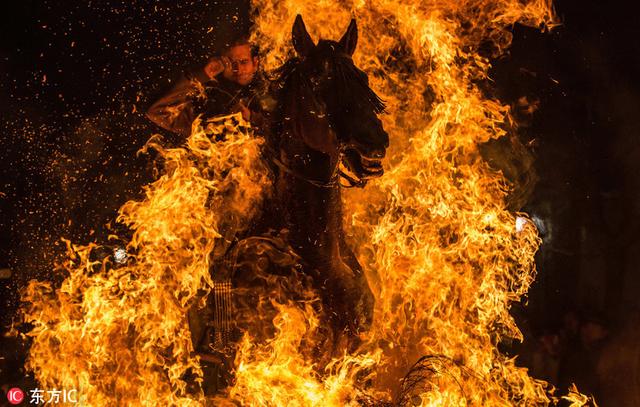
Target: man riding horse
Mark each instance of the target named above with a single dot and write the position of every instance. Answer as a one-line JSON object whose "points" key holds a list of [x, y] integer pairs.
{"points": [[327, 134], [230, 82]]}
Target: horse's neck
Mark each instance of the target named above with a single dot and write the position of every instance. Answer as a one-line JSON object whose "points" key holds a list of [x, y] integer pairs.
{"points": [[313, 213]]}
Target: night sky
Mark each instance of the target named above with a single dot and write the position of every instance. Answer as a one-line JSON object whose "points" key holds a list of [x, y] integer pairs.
{"points": [[75, 77], [75, 81]]}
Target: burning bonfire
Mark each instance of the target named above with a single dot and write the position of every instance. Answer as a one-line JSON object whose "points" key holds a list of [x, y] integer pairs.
{"points": [[434, 235]]}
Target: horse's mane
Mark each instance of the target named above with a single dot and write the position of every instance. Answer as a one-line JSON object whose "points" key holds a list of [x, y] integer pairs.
{"points": [[354, 86], [280, 80], [282, 73]]}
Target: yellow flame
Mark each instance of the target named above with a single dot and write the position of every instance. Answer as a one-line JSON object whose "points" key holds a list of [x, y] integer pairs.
{"points": [[120, 335], [577, 399], [292, 380], [441, 251]]}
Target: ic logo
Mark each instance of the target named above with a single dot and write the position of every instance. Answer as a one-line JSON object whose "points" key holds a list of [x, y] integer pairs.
{"points": [[15, 396]]}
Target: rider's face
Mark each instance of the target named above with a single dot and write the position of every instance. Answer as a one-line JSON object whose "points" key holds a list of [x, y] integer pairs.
{"points": [[243, 65]]}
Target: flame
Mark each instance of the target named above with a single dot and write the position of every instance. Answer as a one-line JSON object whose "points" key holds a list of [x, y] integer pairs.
{"points": [[292, 379], [119, 334], [577, 399], [441, 250]]}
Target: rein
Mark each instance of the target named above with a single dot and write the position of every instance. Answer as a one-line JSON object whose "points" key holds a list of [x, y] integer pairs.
{"points": [[333, 181]]}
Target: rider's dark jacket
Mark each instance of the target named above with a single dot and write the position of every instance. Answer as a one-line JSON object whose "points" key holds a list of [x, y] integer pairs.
{"points": [[195, 94]]}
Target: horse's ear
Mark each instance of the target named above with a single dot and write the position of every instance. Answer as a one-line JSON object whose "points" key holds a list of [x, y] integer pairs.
{"points": [[350, 38], [302, 42]]}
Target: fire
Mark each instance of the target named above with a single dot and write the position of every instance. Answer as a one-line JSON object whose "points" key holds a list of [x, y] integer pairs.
{"points": [[120, 334], [441, 250]]}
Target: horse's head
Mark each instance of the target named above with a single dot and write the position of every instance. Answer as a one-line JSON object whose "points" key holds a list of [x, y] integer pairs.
{"points": [[336, 109]]}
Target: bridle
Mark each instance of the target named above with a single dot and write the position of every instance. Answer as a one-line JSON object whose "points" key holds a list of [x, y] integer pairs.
{"points": [[334, 180], [337, 173]]}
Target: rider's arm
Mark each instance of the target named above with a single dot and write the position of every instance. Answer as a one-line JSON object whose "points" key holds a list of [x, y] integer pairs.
{"points": [[175, 110]]}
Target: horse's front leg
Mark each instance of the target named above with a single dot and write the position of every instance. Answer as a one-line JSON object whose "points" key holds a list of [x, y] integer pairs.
{"points": [[365, 298], [351, 298]]}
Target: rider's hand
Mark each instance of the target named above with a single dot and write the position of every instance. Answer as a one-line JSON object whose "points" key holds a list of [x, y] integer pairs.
{"points": [[246, 113], [216, 66]]}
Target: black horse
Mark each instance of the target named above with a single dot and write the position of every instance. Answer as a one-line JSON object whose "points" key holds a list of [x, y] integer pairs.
{"points": [[327, 134], [328, 130]]}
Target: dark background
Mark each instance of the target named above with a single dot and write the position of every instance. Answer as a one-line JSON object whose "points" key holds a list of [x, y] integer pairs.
{"points": [[75, 77], [75, 80]]}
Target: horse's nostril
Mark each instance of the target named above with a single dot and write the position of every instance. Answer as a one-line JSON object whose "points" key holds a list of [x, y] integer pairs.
{"points": [[373, 146], [376, 153], [379, 154], [370, 152]]}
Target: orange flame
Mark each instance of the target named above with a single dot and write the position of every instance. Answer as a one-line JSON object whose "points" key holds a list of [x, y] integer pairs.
{"points": [[440, 249], [119, 334]]}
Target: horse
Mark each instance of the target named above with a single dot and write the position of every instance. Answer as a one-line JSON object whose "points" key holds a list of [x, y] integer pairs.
{"points": [[327, 135]]}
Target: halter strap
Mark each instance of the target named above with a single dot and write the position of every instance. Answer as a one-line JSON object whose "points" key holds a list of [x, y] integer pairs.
{"points": [[333, 181]]}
